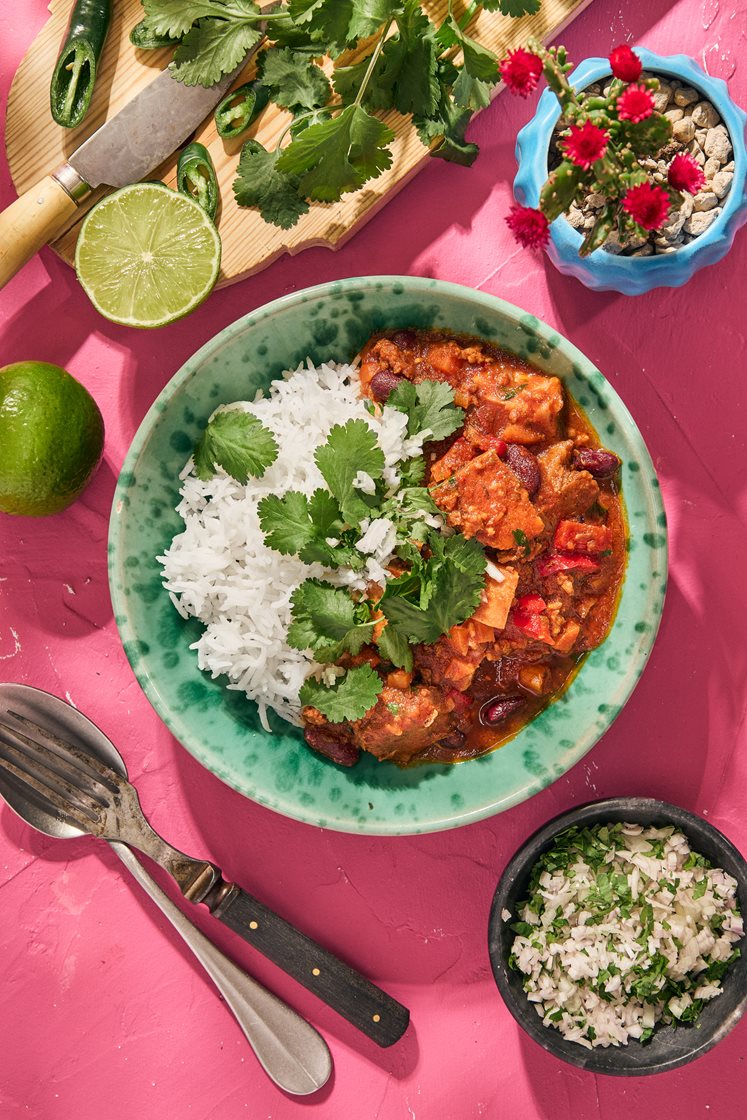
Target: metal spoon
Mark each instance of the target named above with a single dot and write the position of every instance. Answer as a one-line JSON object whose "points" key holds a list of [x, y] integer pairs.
{"points": [[292, 1053]]}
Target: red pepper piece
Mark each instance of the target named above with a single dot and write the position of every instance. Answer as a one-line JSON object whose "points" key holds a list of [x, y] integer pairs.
{"points": [[566, 562], [531, 604], [533, 625], [460, 700]]}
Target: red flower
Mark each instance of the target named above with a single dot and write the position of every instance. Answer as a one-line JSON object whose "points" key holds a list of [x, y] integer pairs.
{"points": [[625, 63], [635, 104], [521, 70], [685, 174], [585, 145], [530, 227], [648, 205]]}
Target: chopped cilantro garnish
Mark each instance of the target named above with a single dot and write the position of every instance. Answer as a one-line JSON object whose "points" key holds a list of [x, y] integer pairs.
{"points": [[350, 448], [429, 406], [327, 621], [237, 442], [348, 699]]}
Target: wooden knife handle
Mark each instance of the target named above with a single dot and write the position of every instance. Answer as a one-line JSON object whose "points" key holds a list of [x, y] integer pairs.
{"points": [[359, 1001], [33, 220]]}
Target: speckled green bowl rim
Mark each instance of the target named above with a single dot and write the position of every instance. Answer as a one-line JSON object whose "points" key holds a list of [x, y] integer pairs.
{"points": [[535, 776]]}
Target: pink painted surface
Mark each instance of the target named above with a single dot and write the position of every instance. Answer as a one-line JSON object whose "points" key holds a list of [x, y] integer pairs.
{"points": [[103, 1012]]}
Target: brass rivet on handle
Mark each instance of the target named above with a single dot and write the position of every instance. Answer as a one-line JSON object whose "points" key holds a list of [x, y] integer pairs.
{"points": [[315, 972], [376, 1018], [253, 925]]}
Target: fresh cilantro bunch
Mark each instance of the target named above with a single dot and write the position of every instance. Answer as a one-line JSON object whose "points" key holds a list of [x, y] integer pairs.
{"points": [[337, 143]]}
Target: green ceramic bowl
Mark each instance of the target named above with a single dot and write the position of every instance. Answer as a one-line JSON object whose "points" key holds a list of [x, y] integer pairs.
{"points": [[220, 727]]}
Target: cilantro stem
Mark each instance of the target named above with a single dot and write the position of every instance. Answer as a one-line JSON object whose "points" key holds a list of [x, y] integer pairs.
{"points": [[302, 117], [372, 63]]}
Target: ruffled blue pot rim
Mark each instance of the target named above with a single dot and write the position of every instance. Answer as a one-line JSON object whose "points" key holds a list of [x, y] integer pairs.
{"points": [[604, 271]]}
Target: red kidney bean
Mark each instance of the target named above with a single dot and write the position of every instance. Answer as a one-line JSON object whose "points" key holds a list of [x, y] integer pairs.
{"points": [[406, 340], [500, 708], [525, 467], [325, 742], [383, 383], [597, 461]]}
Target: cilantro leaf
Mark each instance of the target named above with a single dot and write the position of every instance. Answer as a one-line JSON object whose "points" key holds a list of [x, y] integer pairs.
{"points": [[354, 695], [338, 155], [368, 16], [394, 647], [214, 47], [318, 25], [429, 407], [443, 131], [236, 441], [327, 621], [350, 448], [260, 184], [479, 70], [293, 80], [450, 586], [285, 522], [175, 17], [404, 76], [515, 8]]}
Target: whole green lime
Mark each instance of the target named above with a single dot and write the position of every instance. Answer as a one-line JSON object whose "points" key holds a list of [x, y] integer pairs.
{"points": [[51, 438]]}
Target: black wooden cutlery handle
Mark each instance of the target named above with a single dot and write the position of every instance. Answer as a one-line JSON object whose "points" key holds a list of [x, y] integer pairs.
{"points": [[359, 1001]]}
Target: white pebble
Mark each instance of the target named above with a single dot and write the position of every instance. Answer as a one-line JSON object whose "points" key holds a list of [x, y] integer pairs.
{"points": [[704, 115], [721, 183]]}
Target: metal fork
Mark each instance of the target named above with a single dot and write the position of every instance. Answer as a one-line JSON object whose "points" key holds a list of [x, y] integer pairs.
{"points": [[90, 795]]}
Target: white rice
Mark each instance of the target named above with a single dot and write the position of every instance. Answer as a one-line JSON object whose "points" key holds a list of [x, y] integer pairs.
{"points": [[570, 951], [220, 570]]}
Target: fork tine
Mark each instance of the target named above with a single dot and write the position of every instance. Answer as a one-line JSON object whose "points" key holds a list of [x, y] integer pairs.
{"points": [[79, 815], [73, 754], [73, 781]]}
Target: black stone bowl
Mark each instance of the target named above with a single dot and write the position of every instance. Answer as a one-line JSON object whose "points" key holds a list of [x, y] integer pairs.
{"points": [[670, 1046]]}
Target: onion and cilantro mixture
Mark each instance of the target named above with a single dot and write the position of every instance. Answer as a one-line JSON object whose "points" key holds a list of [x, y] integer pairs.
{"points": [[294, 506], [624, 928]]}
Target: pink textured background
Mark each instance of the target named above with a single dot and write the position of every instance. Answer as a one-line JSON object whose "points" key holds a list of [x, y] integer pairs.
{"points": [[103, 1012]]}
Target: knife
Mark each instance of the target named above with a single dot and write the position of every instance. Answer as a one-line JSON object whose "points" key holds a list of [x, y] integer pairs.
{"points": [[124, 150]]}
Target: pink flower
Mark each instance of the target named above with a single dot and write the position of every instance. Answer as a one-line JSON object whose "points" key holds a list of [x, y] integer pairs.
{"points": [[530, 227], [647, 205], [521, 70], [635, 104], [585, 145], [685, 174], [625, 63]]}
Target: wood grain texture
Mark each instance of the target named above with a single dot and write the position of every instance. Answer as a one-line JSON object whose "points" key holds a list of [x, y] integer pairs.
{"points": [[40, 214], [36, 145]]}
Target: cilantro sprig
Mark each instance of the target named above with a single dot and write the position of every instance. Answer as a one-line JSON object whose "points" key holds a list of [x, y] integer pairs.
{"points": [[349, 698], [236, 441], [429, 407], [337, 144]]}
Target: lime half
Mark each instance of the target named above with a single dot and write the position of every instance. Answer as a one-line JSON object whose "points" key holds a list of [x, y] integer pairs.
{"points": [[147, 255]]}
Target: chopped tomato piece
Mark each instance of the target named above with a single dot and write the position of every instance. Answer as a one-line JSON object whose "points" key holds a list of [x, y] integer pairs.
{"points": [[459, 700], [566, 562], [578, 536]]}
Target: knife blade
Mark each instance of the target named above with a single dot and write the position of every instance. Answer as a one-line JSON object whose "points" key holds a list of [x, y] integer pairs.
{"points": [[124, 150]]}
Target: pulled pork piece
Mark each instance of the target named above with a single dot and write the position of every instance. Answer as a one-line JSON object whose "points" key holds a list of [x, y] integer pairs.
{"points": [[485, 499], [580, 536], [404, 722], [563, 491], [454, 658]]}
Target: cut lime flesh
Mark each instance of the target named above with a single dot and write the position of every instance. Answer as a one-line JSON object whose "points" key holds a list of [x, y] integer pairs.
{"points": [[147, 255]]}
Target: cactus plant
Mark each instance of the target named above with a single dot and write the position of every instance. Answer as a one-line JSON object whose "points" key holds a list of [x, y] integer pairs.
{"points": [[603, 139]]}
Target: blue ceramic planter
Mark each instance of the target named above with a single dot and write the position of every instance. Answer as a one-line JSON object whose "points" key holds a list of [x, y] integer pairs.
{"points": [[634, 275]]}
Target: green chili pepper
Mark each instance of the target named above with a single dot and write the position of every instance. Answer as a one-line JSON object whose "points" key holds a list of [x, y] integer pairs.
{"points": [[144, 39], [240, 108], [195, 177], [75, 72]]}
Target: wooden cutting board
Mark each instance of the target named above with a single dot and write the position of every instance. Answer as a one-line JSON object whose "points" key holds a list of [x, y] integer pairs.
{"points": [[36, 145]]}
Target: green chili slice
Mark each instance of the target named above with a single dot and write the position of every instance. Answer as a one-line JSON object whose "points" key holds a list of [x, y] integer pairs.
{"points": [[145, 39], [74, 74], [195, 178], [240, 108]]}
